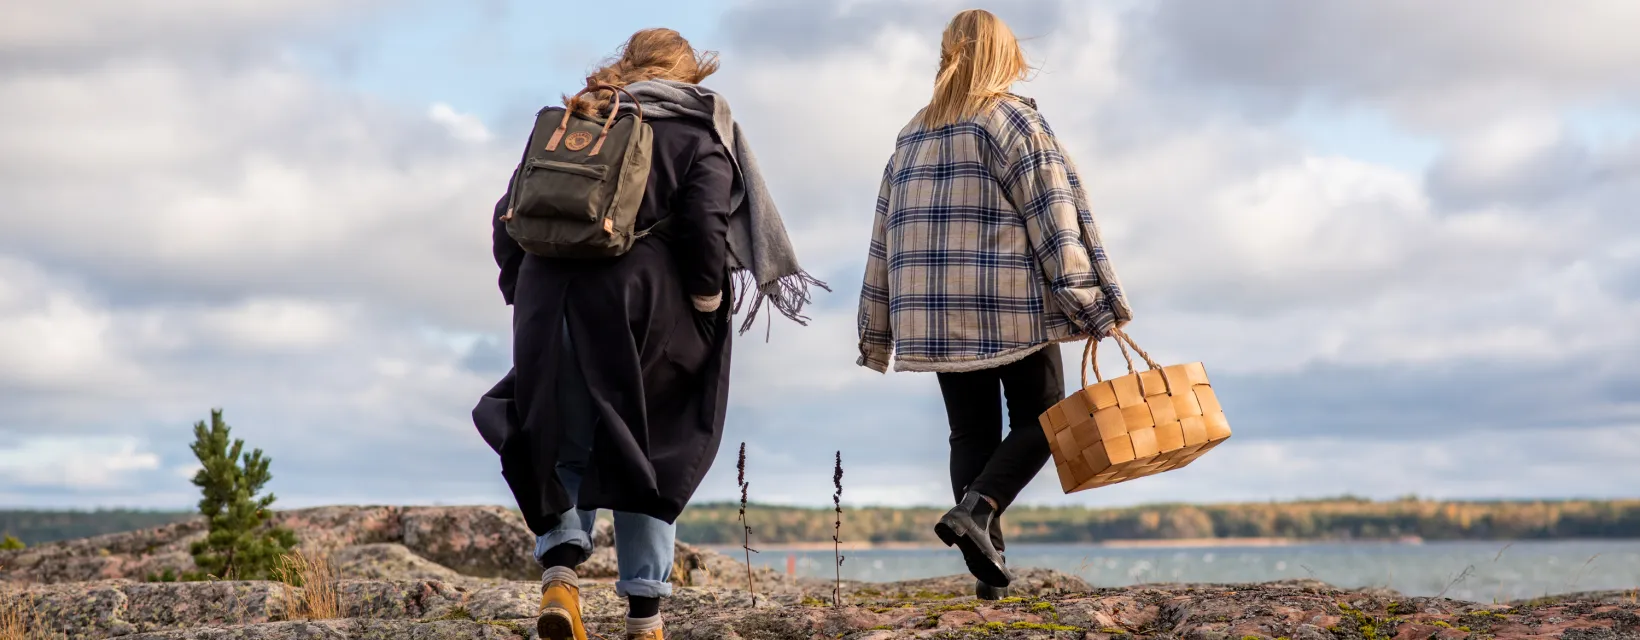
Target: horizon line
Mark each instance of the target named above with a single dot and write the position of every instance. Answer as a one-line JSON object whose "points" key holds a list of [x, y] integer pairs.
{"points": [[862, 507]]}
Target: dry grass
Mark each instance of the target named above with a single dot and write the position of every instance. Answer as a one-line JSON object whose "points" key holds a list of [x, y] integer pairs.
{"points": [[310, 586], [11, 623], [19, 622], [11, 619]]}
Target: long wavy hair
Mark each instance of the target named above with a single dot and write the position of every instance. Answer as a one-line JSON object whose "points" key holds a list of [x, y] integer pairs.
{"points": [[980, 60], [649, 54]]}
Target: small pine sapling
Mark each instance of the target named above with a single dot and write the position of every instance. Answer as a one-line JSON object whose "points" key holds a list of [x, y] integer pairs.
{"points": [[239, 544]]}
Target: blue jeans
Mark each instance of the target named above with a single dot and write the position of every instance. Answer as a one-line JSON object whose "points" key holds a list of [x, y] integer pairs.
{"points": [[643, 545]]}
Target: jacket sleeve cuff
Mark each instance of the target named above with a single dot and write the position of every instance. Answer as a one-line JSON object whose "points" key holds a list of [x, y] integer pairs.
{"points": [[707, 304], [873, 359], [1098, 323]]}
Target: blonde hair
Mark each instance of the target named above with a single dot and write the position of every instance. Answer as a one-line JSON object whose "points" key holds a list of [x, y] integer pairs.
{"points": [[649, 54], [980, 59]]}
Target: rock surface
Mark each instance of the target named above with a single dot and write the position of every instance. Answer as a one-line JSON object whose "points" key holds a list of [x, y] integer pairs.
{"points": [[434, 609], [453, 573], [382, 543]]}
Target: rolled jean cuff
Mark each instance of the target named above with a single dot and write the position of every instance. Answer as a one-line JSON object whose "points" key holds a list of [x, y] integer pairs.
{"points": [[560, 536], [643, 588]]}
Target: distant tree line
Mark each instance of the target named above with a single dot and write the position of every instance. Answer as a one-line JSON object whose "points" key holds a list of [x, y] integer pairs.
{"points": [[1344, 518], [35, 527], [1335, 519]]}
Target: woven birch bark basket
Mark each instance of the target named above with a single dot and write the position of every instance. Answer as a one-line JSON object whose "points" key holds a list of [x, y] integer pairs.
{"points": [[1137, 425]]}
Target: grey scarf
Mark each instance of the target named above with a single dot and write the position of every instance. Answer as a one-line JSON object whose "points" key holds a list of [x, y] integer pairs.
{"points": [[760, 254]]}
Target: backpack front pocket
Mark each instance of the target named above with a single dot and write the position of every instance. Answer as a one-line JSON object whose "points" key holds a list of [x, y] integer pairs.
{"points": [[553, 189]]}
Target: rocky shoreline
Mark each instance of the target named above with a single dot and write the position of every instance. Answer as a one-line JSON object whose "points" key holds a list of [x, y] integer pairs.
{"points": [[465, 572]]}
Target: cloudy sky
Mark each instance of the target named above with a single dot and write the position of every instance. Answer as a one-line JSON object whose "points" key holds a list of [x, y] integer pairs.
{"points": [[1402, 237]]}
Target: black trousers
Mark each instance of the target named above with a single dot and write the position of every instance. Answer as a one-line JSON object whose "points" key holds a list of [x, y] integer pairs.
{"points": [[982, 460]]}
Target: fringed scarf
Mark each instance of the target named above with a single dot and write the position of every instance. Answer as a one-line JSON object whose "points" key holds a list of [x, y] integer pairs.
{"points": [[760, 253]]}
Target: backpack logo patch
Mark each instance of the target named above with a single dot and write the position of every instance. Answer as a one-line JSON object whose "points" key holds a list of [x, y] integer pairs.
{"points": [[578, 140]]}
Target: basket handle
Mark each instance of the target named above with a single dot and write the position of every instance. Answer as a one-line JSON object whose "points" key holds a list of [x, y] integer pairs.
{"points": [[1090, 359], [615, 109]]}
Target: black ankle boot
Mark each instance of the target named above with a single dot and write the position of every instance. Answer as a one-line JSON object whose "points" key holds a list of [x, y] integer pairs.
{"points": [[984, 591], [995, 529], [967, 527], [987, 592]]}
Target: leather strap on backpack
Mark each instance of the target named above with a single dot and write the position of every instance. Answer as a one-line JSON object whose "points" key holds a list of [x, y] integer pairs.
{"points": [[615, 109]]}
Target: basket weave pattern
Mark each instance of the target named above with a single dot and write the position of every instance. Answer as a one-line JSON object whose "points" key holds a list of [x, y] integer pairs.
{"points": [[1140, 424]]}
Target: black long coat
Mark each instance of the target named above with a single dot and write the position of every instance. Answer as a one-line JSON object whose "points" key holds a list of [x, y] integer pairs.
{"points": [[657, 370]]}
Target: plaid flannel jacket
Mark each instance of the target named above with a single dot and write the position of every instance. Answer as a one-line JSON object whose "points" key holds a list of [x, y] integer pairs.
{"points": [[984, 249]]}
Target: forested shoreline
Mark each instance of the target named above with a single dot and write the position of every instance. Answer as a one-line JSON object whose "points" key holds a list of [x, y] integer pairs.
{"points": [[37, 526], [1340, 519]]}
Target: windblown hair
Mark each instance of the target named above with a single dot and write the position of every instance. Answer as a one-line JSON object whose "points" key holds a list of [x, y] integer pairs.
{"points": [[980, 59], [650, 54]]}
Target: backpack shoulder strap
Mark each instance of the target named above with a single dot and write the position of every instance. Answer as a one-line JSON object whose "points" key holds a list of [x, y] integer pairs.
{"points": [[518, 172], [614, 112]]}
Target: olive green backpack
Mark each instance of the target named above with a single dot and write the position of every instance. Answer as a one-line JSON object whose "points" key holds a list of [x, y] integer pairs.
{"points": [[576, 192]]}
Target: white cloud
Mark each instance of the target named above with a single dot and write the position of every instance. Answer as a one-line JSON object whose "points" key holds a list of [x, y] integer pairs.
{"points": [[91, 27], [51, 336], [75, 463], [463, 126], [262, 180], [1449, 67], [277, 324]]}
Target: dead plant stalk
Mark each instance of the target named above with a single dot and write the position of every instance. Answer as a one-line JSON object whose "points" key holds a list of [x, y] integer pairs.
{"points": [[837, 531], [746, 541]]}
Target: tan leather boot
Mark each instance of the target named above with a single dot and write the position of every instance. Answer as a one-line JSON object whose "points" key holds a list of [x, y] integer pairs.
{"points": [[560, 612]]}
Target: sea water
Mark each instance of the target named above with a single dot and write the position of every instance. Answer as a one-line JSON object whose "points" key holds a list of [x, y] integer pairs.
{"points": [[1475, 571]]}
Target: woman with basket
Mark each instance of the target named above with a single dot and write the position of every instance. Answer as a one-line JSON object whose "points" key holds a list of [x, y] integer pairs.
{"points": [[984, 257]]}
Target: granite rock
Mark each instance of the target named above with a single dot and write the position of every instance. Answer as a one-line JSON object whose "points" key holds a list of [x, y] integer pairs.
{"points": [[466, 573]]}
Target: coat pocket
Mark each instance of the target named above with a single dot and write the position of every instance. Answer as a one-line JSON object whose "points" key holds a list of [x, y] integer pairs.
{"points": [[694, 339]]}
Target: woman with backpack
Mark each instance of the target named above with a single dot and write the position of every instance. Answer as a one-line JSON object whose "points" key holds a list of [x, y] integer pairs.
{"points": [[984, 257], [621, 363]]}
